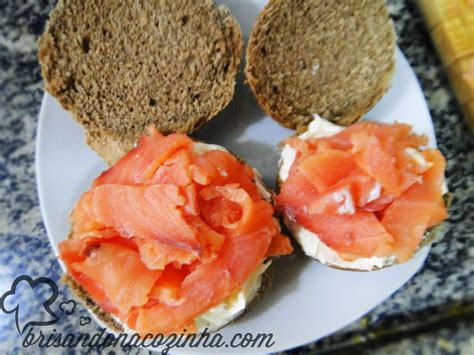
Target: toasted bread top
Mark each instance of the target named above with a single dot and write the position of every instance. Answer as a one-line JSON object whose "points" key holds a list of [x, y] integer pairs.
{"points": [[119, 66], [334, 58]]}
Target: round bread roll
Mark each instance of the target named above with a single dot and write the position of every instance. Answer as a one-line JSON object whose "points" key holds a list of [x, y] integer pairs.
{"points": [[120, 66], [334, 58]]}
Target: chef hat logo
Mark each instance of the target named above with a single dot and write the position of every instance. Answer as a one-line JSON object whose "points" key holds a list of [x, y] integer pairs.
{"points": [[23, 290]]}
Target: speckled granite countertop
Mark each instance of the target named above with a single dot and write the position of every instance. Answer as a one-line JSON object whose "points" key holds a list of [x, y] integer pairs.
{"points": [[432, 313]]}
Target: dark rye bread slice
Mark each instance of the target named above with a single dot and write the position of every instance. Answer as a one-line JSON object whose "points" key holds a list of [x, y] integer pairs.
{"points": [[119, 66], [334, 58]]}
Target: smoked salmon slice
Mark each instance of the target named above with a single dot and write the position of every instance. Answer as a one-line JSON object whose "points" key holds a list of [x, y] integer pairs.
{"points": [[280, 245], [249, 241], [347, 194], [296, 193], [208, 285], [174, 171], [168, 232], [142, 161], [147, 211], [360, 233], [325, 169], [166, 290], [157, 255], [370, 190], [218, 167], [115, 268], [407, 219]]}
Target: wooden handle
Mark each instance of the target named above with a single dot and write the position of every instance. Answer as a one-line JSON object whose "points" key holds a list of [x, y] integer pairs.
{"points": [[451, 26]]}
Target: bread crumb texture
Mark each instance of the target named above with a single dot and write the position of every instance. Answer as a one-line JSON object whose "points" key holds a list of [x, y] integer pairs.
{"points": [[334, 58], [119, 66]]}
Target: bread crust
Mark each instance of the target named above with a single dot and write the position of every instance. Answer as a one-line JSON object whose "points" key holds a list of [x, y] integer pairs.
{"points": [[284, 105]]}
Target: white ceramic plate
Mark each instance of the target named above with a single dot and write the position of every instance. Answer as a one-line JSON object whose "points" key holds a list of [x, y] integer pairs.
{"points": [[307, 301]]}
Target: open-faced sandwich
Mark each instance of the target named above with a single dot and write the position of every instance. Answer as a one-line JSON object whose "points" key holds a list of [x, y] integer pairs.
{"points": [[176, 236], [362, 197]]}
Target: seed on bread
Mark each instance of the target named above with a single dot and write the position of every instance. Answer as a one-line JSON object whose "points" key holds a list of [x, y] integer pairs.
{"points": [[334, 58]]}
